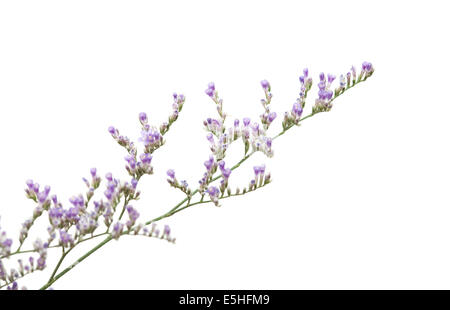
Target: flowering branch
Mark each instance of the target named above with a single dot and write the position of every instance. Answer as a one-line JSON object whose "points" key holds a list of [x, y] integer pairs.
{"points": [[69, 227]]}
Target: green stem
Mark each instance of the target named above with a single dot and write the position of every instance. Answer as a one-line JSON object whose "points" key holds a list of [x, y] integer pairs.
{"points": [[82, 258]]}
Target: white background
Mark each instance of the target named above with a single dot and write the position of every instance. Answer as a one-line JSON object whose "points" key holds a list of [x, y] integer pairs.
{"points": [[360, 197]]}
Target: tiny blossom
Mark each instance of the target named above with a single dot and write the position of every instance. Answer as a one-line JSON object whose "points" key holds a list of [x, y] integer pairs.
{"points": [[210, 91], [65, 238], [267, 117], [143, 118], [113, 131], [171, 173], [5, 244], [325, 95], [117, 230], [133, 215], [166, 231], [209, 164], [214, 194], [265, 84]]}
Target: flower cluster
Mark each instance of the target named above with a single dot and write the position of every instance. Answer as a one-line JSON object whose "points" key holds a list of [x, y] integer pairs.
{"points": [[261, 178], [123, 141], [253, 135], [226, 172], [5, 244], [182, 185], [267, 117], [94, 214], [293, 117], [325, 94]]}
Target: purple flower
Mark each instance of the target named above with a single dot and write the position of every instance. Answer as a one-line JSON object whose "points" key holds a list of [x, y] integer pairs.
{"points": [[271, 117], [112, 130], [226, 173], [132, 213], [108, 176], [184, 184], [246, 121], [259, 169], [297, 109], [210, 137], [171, 173], [117, 230], [213, 191], [209, 163], [41, 263], [93, 172], [265, 84], [146, 158], [36, 188], [166, 230], [367, 66], [331, 78], [143, 118], [30, 184], [65, 238], [210, 90], [236, 123], [134, 183], [322, 76], [221, 164]]}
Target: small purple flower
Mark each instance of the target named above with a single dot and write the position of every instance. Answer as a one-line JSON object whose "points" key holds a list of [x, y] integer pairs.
{"points": [[143, 118], [236, 123], [30, 184], [146, 158], [297, 109], [171, 173], [166, 230], [209, 163], [184, 184], [305, 72], [213, 191], [259, 169], [112, 130], [65, 238], [93, 172], [246, 121], [367, 66], [322, 76], [117, 230], [134, 183], [132, 213], [272, 116], [210, 137], [226, 173], [265, 84], [331, 78], [108, 176], [221, 164], [41, 263], [211, 89], [36, 188]]}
